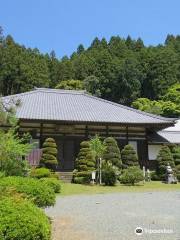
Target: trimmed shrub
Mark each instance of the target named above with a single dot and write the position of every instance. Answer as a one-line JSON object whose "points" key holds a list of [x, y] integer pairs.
{"points": [[154, 176], [131, 176], [163, 159], [177, 171], [82, 177], [109, 177], [176, 154], [40, 173], [49, 156], [53, 183], [35, 190], [79, 180], [85, 162], [20, 219], [129, 157], [112, 152]]}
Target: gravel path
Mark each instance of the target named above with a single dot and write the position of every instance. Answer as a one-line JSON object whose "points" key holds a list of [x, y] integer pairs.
{"points": [[115, 216]]}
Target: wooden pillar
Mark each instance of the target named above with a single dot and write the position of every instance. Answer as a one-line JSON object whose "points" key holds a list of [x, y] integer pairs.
{"points": [[146, 150], [86, 132], [107, 131], [40, 137], [127, 135]]}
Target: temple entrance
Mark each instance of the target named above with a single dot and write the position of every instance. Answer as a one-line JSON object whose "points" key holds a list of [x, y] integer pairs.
{"points": [[66, 157]]}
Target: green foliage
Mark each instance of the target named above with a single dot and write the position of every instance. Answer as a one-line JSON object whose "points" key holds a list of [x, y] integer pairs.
{"points": [[97, 147], [40, 173], [49, 156], [168, 106], [70, 85], [176, 154], [112, 152], [131, 176], [109, 177], [35, 190], [12, 154], [20, 219], [82, 177], [21, 69], [105, 68], [177, 172], [53, 183], [92, 85], [154, 176], [129, 157], [164, 158], [85, 157], [85, 163]]}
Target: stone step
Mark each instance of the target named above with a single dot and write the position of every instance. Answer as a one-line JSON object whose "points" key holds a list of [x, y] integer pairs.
{"points": [[65, 176]]}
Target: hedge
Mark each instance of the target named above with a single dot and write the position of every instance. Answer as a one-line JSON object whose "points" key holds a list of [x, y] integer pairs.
{"points": [[53, 183], [40, 193], [22, 220]]}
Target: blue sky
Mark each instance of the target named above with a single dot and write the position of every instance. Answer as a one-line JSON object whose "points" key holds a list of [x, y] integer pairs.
{"points": [[61, 25]]}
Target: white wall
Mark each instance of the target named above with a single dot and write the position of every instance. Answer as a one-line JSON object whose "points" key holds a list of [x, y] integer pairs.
{"points": [[153, 151], [134, 144]]}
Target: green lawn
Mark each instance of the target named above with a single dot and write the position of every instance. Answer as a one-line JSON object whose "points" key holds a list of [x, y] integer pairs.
{"points": [[72, 189]]}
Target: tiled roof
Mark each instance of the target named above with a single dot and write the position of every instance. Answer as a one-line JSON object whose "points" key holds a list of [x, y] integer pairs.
{"points": [[67, 105], [170, 136]]}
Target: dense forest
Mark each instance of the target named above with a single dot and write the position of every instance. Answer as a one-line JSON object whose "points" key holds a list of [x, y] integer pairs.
{"points": [[121, 70]]}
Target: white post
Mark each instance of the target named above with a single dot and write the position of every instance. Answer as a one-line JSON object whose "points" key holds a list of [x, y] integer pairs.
{"points": [[100, 175], [144, 173]]}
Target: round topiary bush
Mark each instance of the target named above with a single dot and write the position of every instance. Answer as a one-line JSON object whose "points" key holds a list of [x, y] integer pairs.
{"points": [[49, 156], [85, 162], [163, 159], [131, 176], [21, 220], [129, 157], [38, 192], [112, 152]]}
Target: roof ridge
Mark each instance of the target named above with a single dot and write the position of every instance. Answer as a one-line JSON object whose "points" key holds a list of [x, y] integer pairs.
{"points": [[131, 109], [67, 91], [36, 90], [19, 94]]}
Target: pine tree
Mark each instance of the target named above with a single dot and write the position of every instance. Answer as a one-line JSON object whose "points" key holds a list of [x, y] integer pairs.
{"points": [[112, 152], [175, 150], [164, 158], [129, 157], [85, 160], [49, 156], [80, 49]]}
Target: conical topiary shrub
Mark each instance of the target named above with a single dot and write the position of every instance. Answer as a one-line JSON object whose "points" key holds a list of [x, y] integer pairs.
{"points": [[49, 155], [164, 158], [85, 160], [112, 152], [85, 164], [129, 157]]}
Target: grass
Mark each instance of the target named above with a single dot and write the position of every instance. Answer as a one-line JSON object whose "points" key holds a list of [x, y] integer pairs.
{"points": [[76, 189]]}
